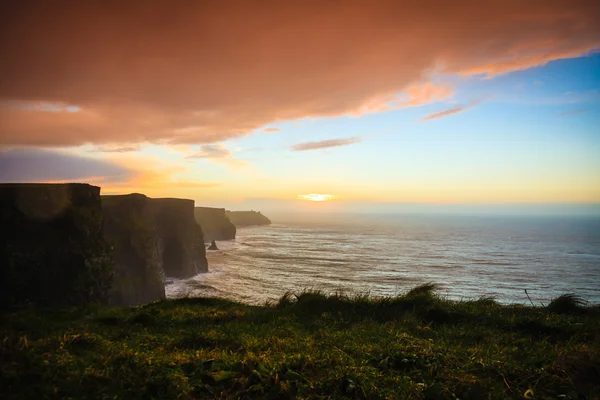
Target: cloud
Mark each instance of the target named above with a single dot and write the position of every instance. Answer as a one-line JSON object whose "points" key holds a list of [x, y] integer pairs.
{"points": [[415, 95], [531, 57], [449, 111], [29, 165], [323, 144], [109, 149], [217, 152], [427, 93], [41, 106], [571, 112], [271, 130], [203, 72], [211, 151], [123, 176]]}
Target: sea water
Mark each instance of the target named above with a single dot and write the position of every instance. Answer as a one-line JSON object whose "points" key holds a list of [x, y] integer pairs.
{"points": [[386, 255]]}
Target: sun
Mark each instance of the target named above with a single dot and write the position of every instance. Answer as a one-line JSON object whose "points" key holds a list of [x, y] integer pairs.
{"points": [[316, 197]]}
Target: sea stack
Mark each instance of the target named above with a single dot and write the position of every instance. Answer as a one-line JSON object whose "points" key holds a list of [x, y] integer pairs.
{"points": [[213, 246]]}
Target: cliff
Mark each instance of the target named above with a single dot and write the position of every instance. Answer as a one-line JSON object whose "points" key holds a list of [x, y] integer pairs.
{"points": [[62, 244], [247, 218], [53, 250], [215, 224], [130, 228], [180, 238]]}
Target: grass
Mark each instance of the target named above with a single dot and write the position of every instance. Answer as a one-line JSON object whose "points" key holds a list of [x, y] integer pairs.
{"points": [[567, 303], [307, 345]]}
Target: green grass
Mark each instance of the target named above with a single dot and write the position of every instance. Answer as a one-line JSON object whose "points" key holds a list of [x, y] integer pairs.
{"points": [[307, 345]]}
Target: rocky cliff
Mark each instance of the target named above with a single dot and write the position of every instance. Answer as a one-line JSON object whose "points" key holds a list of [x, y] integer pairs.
{"points": [[53, 251], [247, 218], [61, 244], [130, 228], [180, 237], [215, 224]]}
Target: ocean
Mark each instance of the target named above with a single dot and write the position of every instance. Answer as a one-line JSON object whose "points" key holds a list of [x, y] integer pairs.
{"points": [[385, 255]]}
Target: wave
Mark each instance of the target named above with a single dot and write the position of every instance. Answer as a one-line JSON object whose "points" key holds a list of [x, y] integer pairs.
{"points": [[469, 260], [495, 263]]}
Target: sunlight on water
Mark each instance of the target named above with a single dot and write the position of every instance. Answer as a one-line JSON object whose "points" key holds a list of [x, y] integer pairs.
{"points": [[469, 256]]}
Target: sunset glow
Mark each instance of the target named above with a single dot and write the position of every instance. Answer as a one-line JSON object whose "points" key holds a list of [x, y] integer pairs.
{"points": [[316, 197], [304, 192]]}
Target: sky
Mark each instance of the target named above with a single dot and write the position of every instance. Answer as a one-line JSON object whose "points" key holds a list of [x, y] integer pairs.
{"points": [[361, 106]]}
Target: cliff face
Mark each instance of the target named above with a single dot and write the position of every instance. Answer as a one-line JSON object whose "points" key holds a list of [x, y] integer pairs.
{"points": [[53, 251], [215, 224], [180, 237], [61, 244], [130, 228], [247, 218]]}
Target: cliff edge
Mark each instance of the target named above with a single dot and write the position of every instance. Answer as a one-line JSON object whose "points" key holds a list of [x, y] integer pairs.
{"points": [[215, 224], [53, 249], [247, 218]]}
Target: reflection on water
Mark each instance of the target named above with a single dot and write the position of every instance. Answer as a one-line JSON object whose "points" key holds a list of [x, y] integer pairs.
{"points": [[468, 256]]}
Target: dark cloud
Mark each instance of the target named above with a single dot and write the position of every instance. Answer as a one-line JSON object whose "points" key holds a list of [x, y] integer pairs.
{"points": [[205, 71], [28, 165], [323, 144]]}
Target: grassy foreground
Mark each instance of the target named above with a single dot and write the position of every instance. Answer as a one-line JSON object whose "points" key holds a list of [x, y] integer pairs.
{"points": [[307, 346]]}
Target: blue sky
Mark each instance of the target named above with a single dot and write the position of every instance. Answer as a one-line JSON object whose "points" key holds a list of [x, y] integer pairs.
{"points": [[536, 128]]}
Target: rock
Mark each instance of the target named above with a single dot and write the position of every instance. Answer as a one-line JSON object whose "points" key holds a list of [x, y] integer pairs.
{"points": [[215, 224], [63, 245], [130, 227], [247, 218], [181, 238], [213, 246], [53, 249]]}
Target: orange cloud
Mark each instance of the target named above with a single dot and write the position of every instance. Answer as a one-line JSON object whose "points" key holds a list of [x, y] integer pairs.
{"points": [[519, 60], [203, 72], [427, 93], [271, 130]]}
